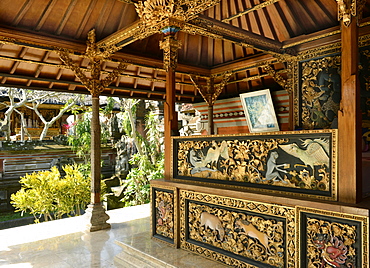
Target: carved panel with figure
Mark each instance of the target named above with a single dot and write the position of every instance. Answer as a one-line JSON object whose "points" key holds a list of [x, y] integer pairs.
{"points": [[330, 239], [298, 163], [319, 92], [237, 232], [164, 218]]}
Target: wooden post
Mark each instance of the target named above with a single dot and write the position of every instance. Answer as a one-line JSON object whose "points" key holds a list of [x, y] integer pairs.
{"points": [[170, 119], [170, 46], [211, 125], [95, 152], [95, 212], [349, 120]]}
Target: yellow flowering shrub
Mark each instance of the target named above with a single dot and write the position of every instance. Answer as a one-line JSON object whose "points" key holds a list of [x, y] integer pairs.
{"points": [[47, 193]]}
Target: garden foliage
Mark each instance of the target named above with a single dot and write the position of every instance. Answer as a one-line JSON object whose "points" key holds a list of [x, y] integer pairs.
{"points": [[47, 194]]}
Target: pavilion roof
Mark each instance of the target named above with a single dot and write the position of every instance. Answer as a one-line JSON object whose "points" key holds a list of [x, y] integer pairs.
{"points": [[238, 36]]}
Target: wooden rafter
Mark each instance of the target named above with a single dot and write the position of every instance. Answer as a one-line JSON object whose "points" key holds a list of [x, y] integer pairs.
{"points": [[256, 7]]}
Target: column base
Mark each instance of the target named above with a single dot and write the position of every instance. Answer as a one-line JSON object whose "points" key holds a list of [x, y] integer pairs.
{"points": [[96, 218]]}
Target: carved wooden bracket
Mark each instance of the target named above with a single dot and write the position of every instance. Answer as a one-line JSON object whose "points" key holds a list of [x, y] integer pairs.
{"points": [[170, 47], [349, 8], [286, 84], [94, 83], [211, 91]]}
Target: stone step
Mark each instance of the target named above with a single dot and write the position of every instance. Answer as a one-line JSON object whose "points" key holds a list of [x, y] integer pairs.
{"points": [[141, 251], [131, 257]]}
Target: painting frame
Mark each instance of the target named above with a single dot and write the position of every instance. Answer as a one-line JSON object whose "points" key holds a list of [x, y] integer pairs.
{"points": [[259, 111]]}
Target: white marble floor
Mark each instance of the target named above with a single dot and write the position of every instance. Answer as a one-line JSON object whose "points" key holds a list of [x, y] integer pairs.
{"points": [[64, 243]]}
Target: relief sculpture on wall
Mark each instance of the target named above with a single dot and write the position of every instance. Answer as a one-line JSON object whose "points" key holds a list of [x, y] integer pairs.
{"points": [[332, 239], [163, 218], [320, 92], [261, 235], [294, 162], [244, 234]]}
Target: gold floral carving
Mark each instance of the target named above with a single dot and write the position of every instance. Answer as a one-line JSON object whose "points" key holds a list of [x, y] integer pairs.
{"points": [[320, 90], [277, 77], [94, 83], [153, 11], [256, 231], [332, 238], [164, 204], [349, 8], [164, 216], [211, 90], [248, 161], [170, 47]]}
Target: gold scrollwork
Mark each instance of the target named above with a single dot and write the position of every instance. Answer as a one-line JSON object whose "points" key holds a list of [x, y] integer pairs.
{"points": [[211, 90], [320, 91], [164, 204], [349, 8], [153, 11], [170, 47], [257, 231], [332, 238], [94, 84]]}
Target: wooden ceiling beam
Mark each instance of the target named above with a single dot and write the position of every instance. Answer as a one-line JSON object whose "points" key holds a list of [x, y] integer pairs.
{"points": [[74, 83], [256, 7], [219, 30]]}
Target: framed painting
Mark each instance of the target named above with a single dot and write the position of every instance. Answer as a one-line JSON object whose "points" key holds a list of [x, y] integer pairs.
{"points": [[259, 111]]}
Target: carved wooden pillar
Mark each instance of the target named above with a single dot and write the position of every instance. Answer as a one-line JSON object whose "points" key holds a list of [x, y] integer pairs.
{"points": [[210, 93], [170, 47], [349, 115], [95, 213]]}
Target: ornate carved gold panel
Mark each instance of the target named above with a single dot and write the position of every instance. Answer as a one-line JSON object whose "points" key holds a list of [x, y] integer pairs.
{"points": [[239, 233], [319, 92], [301, 163], [329, 239], [164, 214]]}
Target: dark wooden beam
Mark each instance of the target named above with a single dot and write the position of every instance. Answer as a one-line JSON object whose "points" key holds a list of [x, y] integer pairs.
{"points": [[256, 7], [212, 28]]}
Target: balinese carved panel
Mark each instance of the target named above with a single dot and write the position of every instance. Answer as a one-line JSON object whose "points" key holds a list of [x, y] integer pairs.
{"points": [[319, 92], [330, 239], [237, 232], [164, 219], [298, 163]]}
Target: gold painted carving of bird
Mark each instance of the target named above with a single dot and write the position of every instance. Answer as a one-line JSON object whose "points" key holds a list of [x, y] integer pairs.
{"points": [[316, 152]]}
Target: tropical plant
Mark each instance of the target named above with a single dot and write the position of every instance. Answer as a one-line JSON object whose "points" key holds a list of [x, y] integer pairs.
{"points": [[47, 194], [147, 164], [80, 139]]}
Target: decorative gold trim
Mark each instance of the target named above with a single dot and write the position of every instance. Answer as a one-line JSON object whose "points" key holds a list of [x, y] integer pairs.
{"points": [[94, 84], [334, 178], [364, 40], [154, 11], [364, 220], [170, 47], [175, 214], [312, 39], [285, 212], [211, 90], [349, 8]]}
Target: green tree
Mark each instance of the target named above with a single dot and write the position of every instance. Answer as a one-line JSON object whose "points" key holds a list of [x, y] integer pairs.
{"points": [[148, 162], [80, 139]]}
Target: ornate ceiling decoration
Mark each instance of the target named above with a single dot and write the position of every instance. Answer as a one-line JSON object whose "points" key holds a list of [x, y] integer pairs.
{"points": [[349, 8]]}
